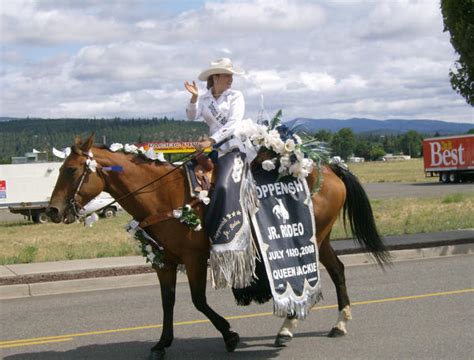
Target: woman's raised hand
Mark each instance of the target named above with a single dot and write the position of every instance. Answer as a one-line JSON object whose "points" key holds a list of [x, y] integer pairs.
{"points": [[192, 88]]}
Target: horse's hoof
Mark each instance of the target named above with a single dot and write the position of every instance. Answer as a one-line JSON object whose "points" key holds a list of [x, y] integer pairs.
{"points": [[157, 354], [163, 343], [282, 340], [231, 341], [336, 332]]}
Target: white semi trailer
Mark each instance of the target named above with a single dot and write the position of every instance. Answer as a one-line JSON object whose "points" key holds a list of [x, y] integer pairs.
{"points": [[26, 189]]}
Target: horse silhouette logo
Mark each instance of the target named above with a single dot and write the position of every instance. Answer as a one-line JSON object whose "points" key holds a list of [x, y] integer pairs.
{"points": [[280, 211], [237, 169]]}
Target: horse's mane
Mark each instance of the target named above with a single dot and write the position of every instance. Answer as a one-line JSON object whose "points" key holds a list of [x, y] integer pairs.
{"points": [[134, 156]]}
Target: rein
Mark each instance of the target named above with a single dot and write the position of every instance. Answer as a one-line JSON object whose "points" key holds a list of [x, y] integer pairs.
{"points": [[87, 170]]}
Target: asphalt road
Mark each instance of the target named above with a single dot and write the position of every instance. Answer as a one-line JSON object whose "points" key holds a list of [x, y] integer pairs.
{"points": [[375, 191], [416, 310]]}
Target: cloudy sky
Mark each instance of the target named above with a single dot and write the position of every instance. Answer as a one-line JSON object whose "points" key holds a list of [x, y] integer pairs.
{"points": [[319, 59]]}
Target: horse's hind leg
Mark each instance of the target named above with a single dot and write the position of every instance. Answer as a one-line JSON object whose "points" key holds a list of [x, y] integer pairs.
{"points": [[196, 270], [285, 334], [167, 277], [335, 269]]}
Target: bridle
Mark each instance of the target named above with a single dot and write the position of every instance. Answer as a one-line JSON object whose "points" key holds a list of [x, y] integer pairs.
{"points": [[89, 166]]}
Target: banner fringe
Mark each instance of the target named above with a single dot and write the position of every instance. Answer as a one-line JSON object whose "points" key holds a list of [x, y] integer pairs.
{"points": [[297, 309], [232, 268]]}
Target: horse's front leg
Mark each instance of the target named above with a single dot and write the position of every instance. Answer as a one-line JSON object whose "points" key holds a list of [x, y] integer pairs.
{"points": [[196, 269], [167, 277]]}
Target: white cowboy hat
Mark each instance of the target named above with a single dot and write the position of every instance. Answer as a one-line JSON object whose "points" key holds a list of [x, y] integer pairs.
{"points": [[220, 66]]}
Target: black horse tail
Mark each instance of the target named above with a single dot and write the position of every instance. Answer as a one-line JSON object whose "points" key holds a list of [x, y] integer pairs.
{"points": [[361, 218]]}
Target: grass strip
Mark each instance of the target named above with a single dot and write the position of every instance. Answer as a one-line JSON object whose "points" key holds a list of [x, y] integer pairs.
{"points": [[24, 242]]}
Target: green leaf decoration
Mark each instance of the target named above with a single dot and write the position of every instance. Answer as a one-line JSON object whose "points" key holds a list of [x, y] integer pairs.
{"points": [[276, 120]]}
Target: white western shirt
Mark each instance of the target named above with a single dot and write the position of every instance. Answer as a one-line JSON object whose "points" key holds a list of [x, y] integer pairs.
{"points": [[222, 115]]}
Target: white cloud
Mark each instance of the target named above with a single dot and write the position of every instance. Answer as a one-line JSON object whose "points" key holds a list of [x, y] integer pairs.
{"points": [[22, 22], [265, 15], [381, 59], [318, 81]]}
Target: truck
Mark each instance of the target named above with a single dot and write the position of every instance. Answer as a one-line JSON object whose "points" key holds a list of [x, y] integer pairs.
{"points": [[26, 189], [451, 158]]}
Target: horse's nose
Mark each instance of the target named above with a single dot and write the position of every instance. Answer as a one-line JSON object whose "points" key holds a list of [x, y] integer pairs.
{"points": [[53, 214]]}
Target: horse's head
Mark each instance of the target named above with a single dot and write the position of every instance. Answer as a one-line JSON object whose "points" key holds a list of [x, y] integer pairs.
{"points": [[77, 184]]}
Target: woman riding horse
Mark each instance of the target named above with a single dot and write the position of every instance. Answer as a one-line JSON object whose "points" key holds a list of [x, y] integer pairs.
{"points": [[151, 203], [227, 216]]}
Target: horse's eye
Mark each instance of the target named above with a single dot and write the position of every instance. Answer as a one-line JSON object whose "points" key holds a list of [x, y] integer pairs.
{"points": [[70, 171]]}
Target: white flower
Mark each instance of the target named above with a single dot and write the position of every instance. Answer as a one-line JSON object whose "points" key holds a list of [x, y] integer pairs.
{"points": [[299, 154], [149, 249], [151, 257], [91, 164], [268, 165], [90, 220], [187, 207], [151, 154], [160, 156], [273, 141], [203, 197], [177, 213], [130, 149], [141, 150], [307, 164], [245, 129], [116, 147], [290, 145], [198, 228], [297, 139], [285, 160], [283, 170]]}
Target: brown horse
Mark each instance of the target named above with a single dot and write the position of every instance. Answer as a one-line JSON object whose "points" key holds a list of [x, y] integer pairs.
{"points": [[77, 185]]}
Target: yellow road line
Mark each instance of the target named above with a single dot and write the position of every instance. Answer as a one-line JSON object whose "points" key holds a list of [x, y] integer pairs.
{"points": [[35, 343], [68, 337], [413, 297]]}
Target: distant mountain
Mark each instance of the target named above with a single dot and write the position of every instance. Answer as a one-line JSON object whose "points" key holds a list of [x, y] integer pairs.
{"points": [[361, 125], [5, 118]]}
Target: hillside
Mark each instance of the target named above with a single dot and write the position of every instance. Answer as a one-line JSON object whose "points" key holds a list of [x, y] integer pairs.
{"points": [[22, 135], [18, 136], [380, 127]]}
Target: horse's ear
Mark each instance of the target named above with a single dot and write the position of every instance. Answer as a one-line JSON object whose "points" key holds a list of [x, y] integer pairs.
{"points": [[88, 144], [77, 145]]}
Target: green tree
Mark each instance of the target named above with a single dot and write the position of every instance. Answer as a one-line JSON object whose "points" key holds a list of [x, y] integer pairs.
{"points": [[470, 131], [323, 135], [376, 152], [343, 143], [411, 143], [362, 149], [458, 17]]}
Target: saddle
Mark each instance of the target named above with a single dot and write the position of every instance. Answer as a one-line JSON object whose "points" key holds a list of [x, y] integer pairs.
{"points": [[200, 175]]}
